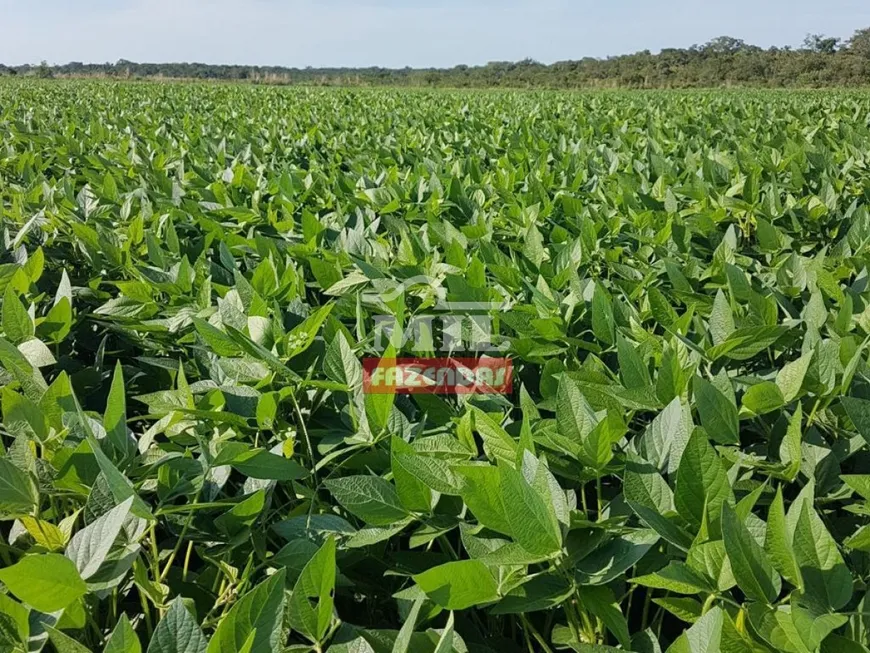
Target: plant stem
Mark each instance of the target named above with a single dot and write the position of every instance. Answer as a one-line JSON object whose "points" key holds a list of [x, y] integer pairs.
{"points": [[541, 641], [598, 496], [155, 552], [178, 543], [307, 438], [187, 561], [149, 626], [644, 620]]}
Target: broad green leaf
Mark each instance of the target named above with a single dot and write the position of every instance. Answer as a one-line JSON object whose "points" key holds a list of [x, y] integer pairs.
{"points": [[413, 493], [370, 498], [603, 324], [705, 635], [115, 418], [753, 572], [574, 415], [721, 319], [763, 398], [790, 378], [481, 492], [48, 582], [18, 492], [677, 577], [612, 559], [778, 544], [532, 518], [827, 579], [701, 481], [123, 639], [89, 547], [265, 465], [858, 411], [403, 639], [541, 592], [64, 643], [458, 585], [177, 632], [315, 584], [632, 368], [17, 325], [341, 364], [790, 452], [258, 613], [496, 441], [601, 602], [718, 415]]}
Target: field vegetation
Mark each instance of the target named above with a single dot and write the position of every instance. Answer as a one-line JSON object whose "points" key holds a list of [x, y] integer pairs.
{"points": [[190, 276]]}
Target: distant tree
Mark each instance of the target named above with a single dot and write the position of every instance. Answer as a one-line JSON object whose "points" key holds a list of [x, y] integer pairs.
{"points": [[860, 43], [44, 70], [821, 44], [725, 45]]}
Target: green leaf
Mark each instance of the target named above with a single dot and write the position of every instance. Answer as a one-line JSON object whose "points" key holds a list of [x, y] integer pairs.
{"points": [[23, 416], [718, 415], [541, 592], [858, 411], [445, 641], [763, 398], [574, 415], [790, 378], [701, 481], [302, 337], [315, 583], [705, 636], [123, 639], [753, 572], [372, 499], [267, 466], [48, 582], [64, 643], [413, 493], [676, 577], [177, 632], [601, 602], [16, 322], [481, 492], [89, 547], [115, 418], [790, 452], [686, 609], [341, 364], [18, 493], [778, 544], [721, 319], [634, 372], [403, 639], [612, 559], [603, 324], [643, 485], [532, 519], [496, 442], [827, 580], [242, 515], [32, 382], [458, 585], [258, 613]]}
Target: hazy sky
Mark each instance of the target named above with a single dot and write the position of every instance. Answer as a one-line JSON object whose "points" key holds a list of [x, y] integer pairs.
{"points": [[393, 33]]}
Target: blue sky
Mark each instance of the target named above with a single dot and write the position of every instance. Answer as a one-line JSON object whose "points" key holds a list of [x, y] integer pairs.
{"points": [[393, 33]]}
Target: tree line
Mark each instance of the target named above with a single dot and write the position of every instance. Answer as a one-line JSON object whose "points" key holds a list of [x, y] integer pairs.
{"points": [[725, 61]]}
